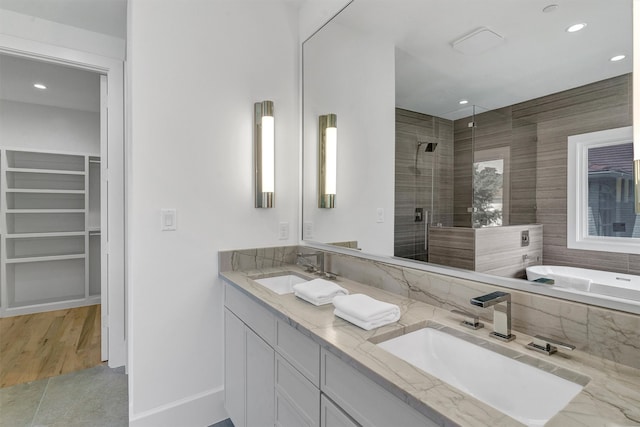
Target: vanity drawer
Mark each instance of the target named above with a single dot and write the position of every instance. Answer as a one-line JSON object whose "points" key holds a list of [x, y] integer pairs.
{"points": [[332, 416], [297, 400], [363, 400], [255, 316], [300, 350]]}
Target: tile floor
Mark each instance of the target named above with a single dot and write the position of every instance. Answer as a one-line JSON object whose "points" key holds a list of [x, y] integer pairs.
{"points": [[94, 397]]}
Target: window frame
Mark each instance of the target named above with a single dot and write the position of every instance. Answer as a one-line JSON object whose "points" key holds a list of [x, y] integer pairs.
{"points": [[577, 192]]}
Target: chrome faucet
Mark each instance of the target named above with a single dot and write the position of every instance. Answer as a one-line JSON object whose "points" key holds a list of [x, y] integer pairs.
{"points": [[501, 313], [315, 268]]}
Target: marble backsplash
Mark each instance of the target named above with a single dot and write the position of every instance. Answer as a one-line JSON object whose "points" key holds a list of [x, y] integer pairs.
{"points": [[602, 332], [252, 259]]}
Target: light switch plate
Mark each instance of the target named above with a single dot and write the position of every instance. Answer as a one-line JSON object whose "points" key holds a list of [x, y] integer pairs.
{"points": [[168, 220], [380, 215]]}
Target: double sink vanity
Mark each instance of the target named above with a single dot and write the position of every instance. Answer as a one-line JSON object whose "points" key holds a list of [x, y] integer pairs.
{"points": [[298, 364]]}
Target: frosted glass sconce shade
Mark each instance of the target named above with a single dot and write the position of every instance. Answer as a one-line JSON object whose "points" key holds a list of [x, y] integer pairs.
{"points": [[327, 160], [264, 153]]}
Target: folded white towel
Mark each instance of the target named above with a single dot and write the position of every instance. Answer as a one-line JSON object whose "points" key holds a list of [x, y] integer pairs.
{"points": [[364, 311], [318, 291]]}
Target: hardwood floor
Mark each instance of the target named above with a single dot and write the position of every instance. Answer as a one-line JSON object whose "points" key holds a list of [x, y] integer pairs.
{"points": [[43, 345]]}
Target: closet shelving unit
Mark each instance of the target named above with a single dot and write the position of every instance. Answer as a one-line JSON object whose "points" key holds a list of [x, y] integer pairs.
{"points": [[50, 230]]}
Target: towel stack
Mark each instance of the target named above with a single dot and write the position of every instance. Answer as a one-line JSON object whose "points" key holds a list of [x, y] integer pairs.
{"points": [[364, 311], [318, 291]]}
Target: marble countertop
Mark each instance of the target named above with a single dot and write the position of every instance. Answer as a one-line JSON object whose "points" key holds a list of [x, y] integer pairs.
{"points": [[610, 398]]}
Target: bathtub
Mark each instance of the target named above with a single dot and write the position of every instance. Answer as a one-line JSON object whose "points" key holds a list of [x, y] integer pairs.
{"points": [[583, 280]]}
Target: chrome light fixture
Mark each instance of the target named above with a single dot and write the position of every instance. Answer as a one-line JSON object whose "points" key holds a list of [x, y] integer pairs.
{"points": [[327, 160], [264, 153], [636, 103]]}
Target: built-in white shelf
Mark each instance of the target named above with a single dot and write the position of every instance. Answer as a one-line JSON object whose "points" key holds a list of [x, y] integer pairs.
{"points": [[55, 234], [45, 258], [50, 251], [43, 191], [31, 211], [48, 171]]}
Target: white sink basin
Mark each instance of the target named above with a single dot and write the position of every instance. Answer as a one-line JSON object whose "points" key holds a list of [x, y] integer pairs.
{"points": [[282, 284], [526, 393]]}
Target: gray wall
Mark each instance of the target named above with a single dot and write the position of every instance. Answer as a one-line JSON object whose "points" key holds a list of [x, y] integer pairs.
{"points": [[413, 185], [598, 106], [495, 129], [536, 132]]}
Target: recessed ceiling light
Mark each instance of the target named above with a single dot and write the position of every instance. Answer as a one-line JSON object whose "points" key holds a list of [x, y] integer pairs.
{"points": [[463, 102], [576, 27], [39, 86], [617, 58], [550, 8]]}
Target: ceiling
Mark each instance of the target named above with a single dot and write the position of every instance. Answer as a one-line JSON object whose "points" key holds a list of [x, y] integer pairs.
{"points": [[101, 16], [66, 87], [535, 57]]}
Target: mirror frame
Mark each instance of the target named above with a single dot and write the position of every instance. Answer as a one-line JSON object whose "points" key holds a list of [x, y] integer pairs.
{"points": [[629, 306]]}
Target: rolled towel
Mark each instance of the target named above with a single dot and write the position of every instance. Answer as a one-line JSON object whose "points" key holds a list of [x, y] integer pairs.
{"points": [[318, 291], [364, 311]]}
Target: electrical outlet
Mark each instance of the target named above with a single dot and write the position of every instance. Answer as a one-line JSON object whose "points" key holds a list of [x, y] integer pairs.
{"points": [[307, 230], [524, 238], [283, 231], [380, 215]]}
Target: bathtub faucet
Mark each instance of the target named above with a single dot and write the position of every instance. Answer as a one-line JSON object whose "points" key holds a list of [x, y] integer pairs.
{"points": [[501, 302]]}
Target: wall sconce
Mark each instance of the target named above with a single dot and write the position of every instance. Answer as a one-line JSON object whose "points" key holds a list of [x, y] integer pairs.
{"points": [[636, 103], [264, 153], [327, 160]]}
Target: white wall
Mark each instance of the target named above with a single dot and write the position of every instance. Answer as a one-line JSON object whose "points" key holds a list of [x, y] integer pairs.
{"points": [[366, 135], [314, 14], [195, 70], [42, 127]]}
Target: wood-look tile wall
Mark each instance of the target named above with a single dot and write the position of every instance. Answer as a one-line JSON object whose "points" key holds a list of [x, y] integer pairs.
{"points": [[536, 132], [538, 142], [413, 180], [594, 107], [499, 250], [491, 250], [490, 130]]}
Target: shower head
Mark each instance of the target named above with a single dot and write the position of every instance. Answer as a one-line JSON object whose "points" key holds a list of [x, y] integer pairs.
{"points": [[431, 147]]}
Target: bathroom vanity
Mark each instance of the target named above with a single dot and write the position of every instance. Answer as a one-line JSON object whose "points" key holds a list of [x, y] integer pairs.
{"points": [[290, 363]]}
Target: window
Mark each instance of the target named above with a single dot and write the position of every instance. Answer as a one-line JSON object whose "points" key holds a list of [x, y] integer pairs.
{"points": [[491, 187], [600, 192]]}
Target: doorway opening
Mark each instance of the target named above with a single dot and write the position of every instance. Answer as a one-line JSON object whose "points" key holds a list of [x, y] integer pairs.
{"points": [[54, 222]]}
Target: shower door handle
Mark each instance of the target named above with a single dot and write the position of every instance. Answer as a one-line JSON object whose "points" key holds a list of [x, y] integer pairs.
{"points": [[426, 228]]}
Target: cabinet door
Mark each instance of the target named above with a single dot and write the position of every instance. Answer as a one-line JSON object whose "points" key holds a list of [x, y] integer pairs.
{"points": [[234, 368], [297, 400], [260, 381], [332, 416]]}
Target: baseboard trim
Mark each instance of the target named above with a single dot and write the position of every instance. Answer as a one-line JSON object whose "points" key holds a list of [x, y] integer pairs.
{"points": [[202, 409]]}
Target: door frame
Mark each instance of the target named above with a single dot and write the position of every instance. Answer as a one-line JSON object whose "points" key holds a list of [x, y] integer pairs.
{"points": [[113, 155]]}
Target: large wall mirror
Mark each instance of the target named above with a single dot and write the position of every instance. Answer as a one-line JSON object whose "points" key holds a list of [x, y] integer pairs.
{"points": [[453, 119]]}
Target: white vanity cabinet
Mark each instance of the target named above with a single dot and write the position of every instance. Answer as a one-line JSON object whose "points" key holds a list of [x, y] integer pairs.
{"points": [[277, 376], [272, 371], [249, 362], [362, 399]]}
